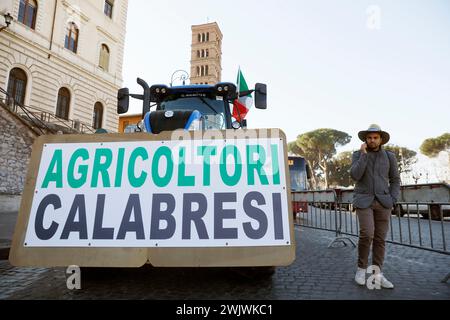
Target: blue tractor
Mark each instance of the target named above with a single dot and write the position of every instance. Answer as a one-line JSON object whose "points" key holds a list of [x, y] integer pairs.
{"points": [[191, 107]]}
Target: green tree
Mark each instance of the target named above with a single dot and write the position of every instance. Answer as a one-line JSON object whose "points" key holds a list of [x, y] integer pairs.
{"points": [[433, 146], [405, 157], [340, 169], [294, 148], [318, 148]]}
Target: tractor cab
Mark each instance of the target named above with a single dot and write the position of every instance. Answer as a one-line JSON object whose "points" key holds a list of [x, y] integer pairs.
{"points": [[191, 107]]}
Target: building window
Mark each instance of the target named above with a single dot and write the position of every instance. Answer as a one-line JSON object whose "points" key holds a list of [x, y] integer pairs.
{"points": [[63, 104], [207, 53], [17, 85], [207, 36], [71, 41], [206, 70], [104, 57], [97, 120], [28, 13], [203, 71], [109, 4], [198, 71], [198, 53], [199, 38]]}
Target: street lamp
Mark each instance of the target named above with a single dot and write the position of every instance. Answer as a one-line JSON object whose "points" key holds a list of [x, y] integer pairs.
{"points": [[183, 76], [8, 20]]}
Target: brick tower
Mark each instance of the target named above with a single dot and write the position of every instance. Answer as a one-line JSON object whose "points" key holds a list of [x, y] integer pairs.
{"points": [[206, 53]]}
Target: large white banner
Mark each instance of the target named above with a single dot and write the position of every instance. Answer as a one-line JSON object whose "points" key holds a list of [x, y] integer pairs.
{"points": [[194, 193]]}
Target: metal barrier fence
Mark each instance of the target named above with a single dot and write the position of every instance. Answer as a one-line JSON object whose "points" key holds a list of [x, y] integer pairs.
{"points": [[422, 225]]}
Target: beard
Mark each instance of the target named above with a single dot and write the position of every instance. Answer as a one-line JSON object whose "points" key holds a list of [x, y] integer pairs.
{"points": [[373, 147]]}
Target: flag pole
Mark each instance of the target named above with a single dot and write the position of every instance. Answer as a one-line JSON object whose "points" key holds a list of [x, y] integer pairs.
{"points": [[239, 91], [239, 81]]}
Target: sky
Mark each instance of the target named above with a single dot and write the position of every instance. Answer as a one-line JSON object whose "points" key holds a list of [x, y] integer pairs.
{"points": [[327, 64]]}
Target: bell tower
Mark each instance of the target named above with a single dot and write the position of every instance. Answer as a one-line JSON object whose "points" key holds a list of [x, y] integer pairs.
{"points": [[206, 54]]}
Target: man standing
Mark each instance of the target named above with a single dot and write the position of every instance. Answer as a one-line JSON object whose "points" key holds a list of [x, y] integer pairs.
{"points": [[377, 189]]}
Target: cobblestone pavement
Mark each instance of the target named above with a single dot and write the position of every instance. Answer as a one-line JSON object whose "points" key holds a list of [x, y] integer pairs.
{"points": [[319, 272]]}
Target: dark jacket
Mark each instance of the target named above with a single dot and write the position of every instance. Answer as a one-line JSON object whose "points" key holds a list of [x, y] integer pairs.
{"points": [[381, 181]]}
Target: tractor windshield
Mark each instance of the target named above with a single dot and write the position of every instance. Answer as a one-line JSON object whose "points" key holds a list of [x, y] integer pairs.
{"points": [[213, 111]]}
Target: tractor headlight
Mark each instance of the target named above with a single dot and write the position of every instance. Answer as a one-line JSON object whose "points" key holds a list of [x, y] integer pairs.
{"points": [[225, 89], [158, 92]]}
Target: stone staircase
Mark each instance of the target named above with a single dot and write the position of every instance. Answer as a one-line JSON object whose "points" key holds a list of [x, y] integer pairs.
{"points": [[40, 121]]}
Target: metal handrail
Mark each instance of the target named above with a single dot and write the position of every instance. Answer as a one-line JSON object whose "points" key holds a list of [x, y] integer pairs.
{"points": [[41, 117]]}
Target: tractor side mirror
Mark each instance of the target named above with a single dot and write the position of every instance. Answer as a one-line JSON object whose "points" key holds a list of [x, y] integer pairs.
{"points": [[123, 100], [261, 96]]}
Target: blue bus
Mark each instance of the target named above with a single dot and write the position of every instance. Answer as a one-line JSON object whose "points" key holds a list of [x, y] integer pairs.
{"points": [[299, 173]]}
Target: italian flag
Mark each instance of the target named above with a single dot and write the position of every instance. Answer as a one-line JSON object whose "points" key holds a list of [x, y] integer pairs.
{"points": [[242, 105]]}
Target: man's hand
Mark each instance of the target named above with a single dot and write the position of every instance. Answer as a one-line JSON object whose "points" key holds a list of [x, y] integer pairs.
{"points": [[363, 148]]}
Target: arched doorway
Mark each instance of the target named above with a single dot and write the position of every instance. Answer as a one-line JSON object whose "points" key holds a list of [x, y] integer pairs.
{"points": [[63, 104], [17, 85]]}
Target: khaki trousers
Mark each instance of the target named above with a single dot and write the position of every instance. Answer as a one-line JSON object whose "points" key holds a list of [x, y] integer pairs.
{"points": [[373, 228]]}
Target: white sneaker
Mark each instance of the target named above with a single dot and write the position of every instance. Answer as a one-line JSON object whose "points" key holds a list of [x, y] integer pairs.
{"points": [[385, 283], [360, 276]]}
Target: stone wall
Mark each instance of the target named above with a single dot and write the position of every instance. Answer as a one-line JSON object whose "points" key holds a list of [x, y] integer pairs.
{"points": [[16, 139]]}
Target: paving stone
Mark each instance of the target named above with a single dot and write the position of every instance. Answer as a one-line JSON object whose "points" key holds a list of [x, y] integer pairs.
{"points": [[319, 272]]}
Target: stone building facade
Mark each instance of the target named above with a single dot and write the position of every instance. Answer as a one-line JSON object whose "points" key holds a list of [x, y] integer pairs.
{"points": [[15, 150], [65, 57], [206, 54]]}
